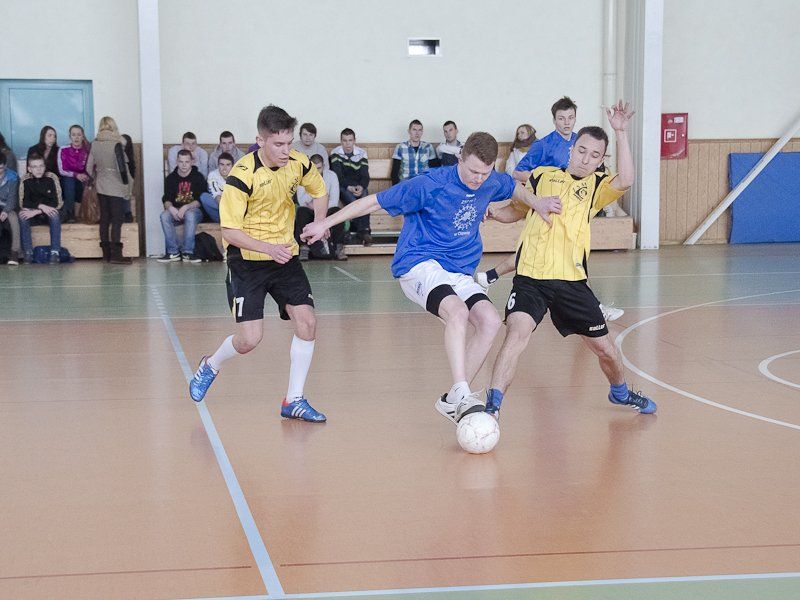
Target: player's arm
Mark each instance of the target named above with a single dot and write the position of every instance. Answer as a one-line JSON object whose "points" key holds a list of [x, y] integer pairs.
{"points": [[316, 230], [485, 279], [543, 205], [510, 213], [619, 117], [281, 253]]}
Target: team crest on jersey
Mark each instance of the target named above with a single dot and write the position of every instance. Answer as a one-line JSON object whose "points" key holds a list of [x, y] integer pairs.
{"points": [[465, 217], [295, 183], [581, 192]]}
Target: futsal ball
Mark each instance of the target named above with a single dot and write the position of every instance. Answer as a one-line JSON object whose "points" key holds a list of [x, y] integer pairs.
{"points": [[478, 433]]}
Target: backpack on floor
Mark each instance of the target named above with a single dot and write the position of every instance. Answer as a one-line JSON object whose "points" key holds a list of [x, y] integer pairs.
{"points": [[41, 255], [205, 247]]}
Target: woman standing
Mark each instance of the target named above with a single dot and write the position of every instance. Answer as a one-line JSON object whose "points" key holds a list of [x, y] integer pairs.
{"points": [[109, 164], [47, 148], [526, 135], [72, 168]]}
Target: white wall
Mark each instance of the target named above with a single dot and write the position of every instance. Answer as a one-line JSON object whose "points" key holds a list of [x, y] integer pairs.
{"points": [[82, 39], [345, 63], [733, 65]]}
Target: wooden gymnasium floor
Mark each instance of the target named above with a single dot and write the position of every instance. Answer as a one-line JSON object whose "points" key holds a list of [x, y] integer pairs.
{"points": [[111, 487]]}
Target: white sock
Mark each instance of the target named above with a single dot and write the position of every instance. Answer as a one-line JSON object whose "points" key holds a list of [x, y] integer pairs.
{"points": [[459, 391], [301, 354], [223, 353]]}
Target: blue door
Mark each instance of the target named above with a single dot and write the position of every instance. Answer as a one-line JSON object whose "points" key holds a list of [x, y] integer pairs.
{"points": [[26, 105]]}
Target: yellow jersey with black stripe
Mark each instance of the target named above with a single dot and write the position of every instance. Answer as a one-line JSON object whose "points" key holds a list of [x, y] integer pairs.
{"points": [[561, 251], [259, 200]]}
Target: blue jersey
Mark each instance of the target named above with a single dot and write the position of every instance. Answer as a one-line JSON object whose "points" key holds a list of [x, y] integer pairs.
{"points": [[550, 151], [442, 218]]}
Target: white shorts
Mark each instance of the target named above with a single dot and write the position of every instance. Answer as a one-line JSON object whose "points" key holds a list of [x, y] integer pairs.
{"points": [[427, 284]]}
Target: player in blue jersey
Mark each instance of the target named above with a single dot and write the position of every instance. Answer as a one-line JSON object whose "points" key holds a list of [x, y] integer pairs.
{"points": [[439, 249]]}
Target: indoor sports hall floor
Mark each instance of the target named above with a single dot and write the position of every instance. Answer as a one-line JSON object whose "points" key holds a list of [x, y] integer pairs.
{"points": [[116, 485]]}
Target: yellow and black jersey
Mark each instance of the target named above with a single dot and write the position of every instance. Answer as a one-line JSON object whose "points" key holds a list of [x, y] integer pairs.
{"points": [[562, 251], [258, 200]]}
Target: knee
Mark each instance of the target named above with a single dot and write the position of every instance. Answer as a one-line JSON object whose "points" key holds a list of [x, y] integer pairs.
{"points": [[248, 342], [306, 326], [166, 218], [488, 322], [456, 313]]}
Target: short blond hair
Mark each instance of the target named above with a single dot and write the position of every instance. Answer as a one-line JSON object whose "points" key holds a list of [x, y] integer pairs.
{"points": [[108, 124]]}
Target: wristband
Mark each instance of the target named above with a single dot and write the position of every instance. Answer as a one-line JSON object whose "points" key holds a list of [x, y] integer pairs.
{"points": [[492, 276]]}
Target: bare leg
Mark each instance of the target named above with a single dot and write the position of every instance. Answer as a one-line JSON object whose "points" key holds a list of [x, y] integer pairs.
{"points": [[455, 315], [610, 361], [519, 327], [484, 318]]}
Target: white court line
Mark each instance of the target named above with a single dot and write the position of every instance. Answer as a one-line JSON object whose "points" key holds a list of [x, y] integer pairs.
{"points": [[268, 574], [621, 337], [764, 368], [354, 278], [350, 275], [522, 586]]}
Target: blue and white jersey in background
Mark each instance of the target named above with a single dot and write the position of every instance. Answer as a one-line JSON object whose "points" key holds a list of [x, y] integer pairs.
{"points": [[550, 151], [442, 218]]}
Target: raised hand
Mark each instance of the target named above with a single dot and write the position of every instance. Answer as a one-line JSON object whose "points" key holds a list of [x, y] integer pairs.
{"points": [[619, 116]]}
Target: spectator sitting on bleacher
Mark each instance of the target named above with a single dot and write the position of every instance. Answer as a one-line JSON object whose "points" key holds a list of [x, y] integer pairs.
{"points": [[216, 182], [227, 145], [305, 215], [40, 201], [308, 144], [199, 156], [9, 195], [182, 190], [72, 168], [523, 139], [47, 149], [11, 158], [413, 156], [450, 150], [351, 166]]}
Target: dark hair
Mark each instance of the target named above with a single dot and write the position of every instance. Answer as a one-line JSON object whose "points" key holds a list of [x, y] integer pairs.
{"points": [[128, 149], [189, 136], [273, 119], [316, 158], [226, 156], [226, 134], [564, 103], [347, 131], [481, 144], [43, 133], [184, 152], [33, 156], [446, 123], [415, 122], [309, 127], [3, 159], [595, 132], [3, 143]]}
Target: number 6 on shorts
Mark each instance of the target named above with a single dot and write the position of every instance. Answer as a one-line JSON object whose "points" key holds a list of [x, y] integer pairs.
{"points": [[511, 300]]}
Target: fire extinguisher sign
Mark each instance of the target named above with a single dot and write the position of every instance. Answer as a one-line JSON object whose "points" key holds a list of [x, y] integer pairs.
{"points": [[674, 135]]}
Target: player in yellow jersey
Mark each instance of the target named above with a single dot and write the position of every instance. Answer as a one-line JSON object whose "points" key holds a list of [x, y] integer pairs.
{"points": [[257, 217], [552, 258]]}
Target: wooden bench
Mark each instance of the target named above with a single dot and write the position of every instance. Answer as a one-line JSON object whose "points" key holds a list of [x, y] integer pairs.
{"points": [[83, 241]]}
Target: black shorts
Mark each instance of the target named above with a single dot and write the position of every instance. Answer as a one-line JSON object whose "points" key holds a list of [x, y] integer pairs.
{"points": [[249, 282], [573, 306]]}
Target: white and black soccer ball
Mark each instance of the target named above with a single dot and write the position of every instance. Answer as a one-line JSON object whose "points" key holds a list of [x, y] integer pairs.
{"points": [[478, 433]]}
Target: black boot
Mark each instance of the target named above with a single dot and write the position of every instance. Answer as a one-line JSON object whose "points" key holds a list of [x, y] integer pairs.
{"points": [[106, 247], [116, 255]]}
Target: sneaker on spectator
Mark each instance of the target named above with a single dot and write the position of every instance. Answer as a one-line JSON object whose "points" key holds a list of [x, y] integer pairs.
{"points": [[610, 313], [167, 258], [637, 400], [54, 257], [455, 411], [13, 260], [339, 253], [302, 410], [29, 258], [190, 258], [304, 252], [366, 239]]}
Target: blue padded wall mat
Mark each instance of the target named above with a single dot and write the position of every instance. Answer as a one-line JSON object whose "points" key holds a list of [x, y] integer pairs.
{"points": [[769, 209]]}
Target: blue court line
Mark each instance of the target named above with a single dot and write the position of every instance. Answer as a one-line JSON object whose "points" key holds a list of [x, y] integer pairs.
{"points": [[257, 547], [522, 586]]}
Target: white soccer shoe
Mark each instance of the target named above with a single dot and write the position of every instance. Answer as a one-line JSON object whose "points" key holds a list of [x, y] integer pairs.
{"points": [[455, 411], [610, 313]]}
